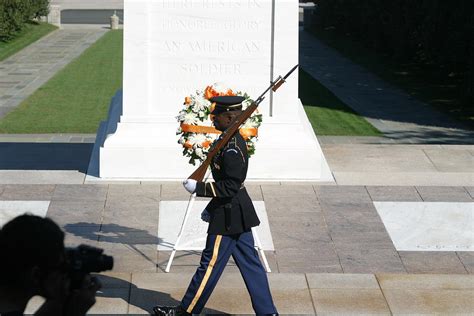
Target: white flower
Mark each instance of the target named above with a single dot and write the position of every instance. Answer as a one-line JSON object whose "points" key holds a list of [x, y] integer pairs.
{"points": [[248, 124], [206, 122], [181, 115], [246, 103], [198, 151], [201, 103], [201, 114], [181, 140], [197, 139], [188, 118]]}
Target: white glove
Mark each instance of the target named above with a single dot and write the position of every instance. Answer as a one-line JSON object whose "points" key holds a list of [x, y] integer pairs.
{"points": [[205, 216], [190, 185]]}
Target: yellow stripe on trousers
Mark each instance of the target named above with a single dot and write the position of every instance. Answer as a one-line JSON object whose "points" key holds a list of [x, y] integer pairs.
{"points": [[215, 253], [213, 190]]}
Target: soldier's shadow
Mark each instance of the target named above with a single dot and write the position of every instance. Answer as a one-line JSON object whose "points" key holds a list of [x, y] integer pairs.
{"points": [[112, 233], [132, 238], [142, 299]]}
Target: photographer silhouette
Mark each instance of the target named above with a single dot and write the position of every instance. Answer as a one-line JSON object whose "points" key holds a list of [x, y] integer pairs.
{"points": [[34, 261]]}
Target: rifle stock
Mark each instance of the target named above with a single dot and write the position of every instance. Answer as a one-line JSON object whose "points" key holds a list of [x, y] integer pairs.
{"points": [[278, 84], [200, 172], [225, 137]]}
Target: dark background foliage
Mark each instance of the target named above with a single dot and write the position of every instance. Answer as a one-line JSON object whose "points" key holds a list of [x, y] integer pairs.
{"points": [[15, 14], [432, 33]]}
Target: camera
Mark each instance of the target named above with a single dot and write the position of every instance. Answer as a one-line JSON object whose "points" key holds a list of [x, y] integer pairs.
{"points": [[85, 259]]}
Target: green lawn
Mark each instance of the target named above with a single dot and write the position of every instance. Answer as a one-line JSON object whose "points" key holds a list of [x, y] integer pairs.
{"points": [[31, 33], [328, 114], [423, 82], [77, 98]]}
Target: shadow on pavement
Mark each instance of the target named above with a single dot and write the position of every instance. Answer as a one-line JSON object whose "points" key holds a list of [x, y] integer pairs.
{"points": [[45, 156], [113, 233], [427, 136], [144, 299]]}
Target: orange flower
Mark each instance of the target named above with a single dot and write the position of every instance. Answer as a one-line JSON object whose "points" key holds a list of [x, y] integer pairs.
{"points": [[188, 145], [210, 92], [187, 100], [246, 133], [206, 144]]}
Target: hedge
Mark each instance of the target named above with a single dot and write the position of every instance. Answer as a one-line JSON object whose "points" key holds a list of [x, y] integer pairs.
{"points": [[429, 32], [15, 13]]}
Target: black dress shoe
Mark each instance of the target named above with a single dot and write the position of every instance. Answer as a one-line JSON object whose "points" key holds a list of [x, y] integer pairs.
{"points": [[170, 311]]}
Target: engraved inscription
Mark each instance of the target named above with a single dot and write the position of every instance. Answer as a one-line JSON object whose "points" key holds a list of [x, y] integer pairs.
{"points": [[210, 4], [198, 42], [213, 47], [211, 69], [172, 46], [224, 47], [189, 24], [175, 90]]}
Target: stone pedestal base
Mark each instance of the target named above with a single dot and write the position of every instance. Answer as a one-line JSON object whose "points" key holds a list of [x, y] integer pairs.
{"points": [[148, 149]]}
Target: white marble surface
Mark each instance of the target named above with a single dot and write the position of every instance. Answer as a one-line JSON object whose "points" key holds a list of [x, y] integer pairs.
{"points": [[194, 236], [429, 226], [173, 48], [12, 209]]}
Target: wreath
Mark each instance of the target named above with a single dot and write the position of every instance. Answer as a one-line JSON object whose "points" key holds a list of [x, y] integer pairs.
{"points": [[196, 132]]}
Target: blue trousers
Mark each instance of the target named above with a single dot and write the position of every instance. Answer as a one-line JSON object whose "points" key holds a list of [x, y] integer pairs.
{"points": [[214, 258]]}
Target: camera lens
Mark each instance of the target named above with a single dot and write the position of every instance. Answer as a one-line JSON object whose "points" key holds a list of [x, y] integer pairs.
{"points": [[105, 263]]}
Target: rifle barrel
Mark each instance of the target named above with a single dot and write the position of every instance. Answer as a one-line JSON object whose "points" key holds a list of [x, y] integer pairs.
{"points": [[200, 172]]}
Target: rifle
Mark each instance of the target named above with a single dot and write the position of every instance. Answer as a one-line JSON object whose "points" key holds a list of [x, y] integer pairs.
{"points": [[225, 137]]}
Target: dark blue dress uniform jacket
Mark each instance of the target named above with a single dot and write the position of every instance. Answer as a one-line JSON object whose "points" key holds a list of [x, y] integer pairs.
{"points": [[230, 209]]}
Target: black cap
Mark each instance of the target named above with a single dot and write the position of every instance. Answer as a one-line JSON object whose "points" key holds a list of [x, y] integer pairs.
{"points": [[227, 103]]}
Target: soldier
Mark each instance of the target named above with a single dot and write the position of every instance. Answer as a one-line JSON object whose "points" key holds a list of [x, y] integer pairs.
{"points": [[231, 216]]}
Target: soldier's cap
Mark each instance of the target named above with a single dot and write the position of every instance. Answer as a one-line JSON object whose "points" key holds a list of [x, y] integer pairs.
{"points": [[226, 104]]}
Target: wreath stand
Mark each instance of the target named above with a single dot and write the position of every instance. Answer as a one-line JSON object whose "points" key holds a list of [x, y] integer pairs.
{"points": [[258, 244]]}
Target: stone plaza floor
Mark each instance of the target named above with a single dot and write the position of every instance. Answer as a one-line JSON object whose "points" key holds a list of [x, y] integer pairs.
{"points": [[333, 253]]}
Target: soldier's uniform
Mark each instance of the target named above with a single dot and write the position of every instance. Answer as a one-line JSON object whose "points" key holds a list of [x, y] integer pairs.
{"points": [[232, 215], [231, 209]]}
